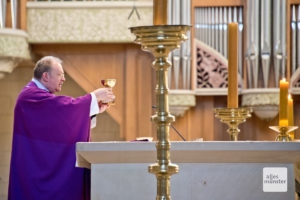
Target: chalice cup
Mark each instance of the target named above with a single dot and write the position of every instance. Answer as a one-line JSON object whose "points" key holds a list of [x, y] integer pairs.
{"points": [[109, 83]]}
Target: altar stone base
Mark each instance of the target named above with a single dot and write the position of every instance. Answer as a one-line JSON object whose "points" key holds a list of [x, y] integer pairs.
{"points": [[214, 170], [195, 181]]}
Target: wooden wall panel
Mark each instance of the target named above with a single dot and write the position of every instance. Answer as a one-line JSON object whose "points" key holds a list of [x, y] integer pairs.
{"points": [[23, 15], [87, 64], [139, 89], [200, 122], [135, 91], [197, 122], [8, 21], [129, 102], [145, 94], [93, 68]]}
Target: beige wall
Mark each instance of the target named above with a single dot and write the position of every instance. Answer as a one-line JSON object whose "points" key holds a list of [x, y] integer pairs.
{"points": [[10, 86]]}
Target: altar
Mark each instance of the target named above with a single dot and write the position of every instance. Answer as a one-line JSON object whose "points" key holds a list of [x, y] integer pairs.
{"points": [[245, 170]]}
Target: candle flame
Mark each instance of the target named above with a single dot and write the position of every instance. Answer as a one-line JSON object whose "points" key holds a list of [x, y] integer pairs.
{"points": [[289, 96], [283, 79]]}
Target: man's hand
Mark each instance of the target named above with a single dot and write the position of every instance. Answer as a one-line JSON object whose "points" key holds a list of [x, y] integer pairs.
{"points": [[104, 95], [103, 107]]}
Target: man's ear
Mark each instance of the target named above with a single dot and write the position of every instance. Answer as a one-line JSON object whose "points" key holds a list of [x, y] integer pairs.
{"points": [[45, 76]]}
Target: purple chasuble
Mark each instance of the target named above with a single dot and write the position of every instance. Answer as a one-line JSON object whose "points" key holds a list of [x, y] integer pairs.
{"points": [[46, 129]]}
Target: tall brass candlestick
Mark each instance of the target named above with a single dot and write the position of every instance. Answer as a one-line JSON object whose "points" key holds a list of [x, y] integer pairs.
{"points": [[232, 96], [233, 115], [160, 40]]}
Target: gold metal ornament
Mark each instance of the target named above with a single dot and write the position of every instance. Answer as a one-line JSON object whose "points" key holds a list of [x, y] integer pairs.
{"points": [[233, 117], [283, 131], [160, 41], [110, 83]]}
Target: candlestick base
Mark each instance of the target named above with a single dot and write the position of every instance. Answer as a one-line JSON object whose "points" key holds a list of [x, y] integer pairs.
{"points": [[233, 117], [283, 131]]}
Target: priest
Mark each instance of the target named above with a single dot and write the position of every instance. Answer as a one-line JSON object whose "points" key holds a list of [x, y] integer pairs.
{"points": [[46, 129]]}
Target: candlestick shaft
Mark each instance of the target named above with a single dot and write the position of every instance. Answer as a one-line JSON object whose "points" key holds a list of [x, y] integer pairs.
{"points": [[232, 97], [283, 104], [163, 120], [160, 40], [160, 12]]}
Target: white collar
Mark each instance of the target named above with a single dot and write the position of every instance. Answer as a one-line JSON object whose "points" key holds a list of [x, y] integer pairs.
{"points": [[39, 84]]}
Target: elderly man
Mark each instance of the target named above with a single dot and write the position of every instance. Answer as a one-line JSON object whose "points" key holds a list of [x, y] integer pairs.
{"points": [[46, 129]]}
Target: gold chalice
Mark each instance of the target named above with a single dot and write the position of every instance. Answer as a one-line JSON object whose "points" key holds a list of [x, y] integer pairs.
{"points": [[109, 83]]}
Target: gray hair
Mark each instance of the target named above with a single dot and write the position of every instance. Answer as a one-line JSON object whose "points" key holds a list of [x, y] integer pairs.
{"points": [[44, 65]]}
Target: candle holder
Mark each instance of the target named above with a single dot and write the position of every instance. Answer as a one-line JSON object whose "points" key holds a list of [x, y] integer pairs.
{"points": [[160, 41], [283, 131], [233, 117]]}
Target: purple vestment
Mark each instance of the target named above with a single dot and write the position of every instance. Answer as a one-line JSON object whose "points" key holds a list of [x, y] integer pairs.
{"points": [[46, 129]]}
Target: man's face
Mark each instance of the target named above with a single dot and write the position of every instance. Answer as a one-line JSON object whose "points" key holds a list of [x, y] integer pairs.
{"points": [[56, 78]]}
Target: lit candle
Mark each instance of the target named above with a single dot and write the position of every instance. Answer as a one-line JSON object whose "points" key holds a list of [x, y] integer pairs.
{"points": [[291, 114], [160, 12], [283, 104], [232, 96]]}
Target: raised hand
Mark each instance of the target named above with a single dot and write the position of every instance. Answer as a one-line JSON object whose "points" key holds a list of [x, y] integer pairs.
{"points": [[104, 95]]}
